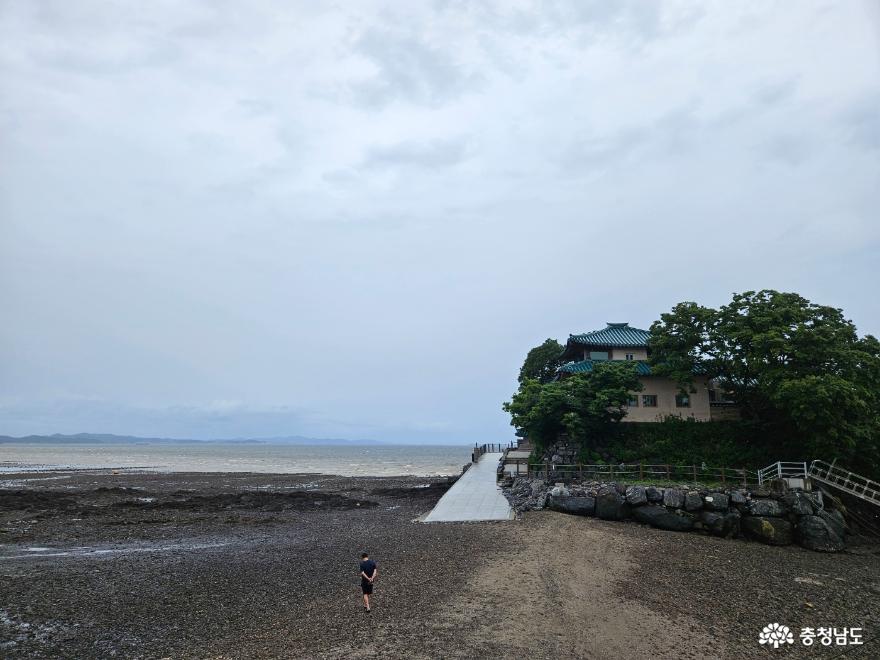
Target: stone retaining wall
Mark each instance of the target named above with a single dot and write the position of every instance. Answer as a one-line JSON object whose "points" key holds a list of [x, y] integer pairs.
{"points": [[774, 518]]}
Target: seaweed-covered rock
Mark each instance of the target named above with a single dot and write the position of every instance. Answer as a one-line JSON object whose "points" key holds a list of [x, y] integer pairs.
{"points": [[817, 533], [636, 496], [717, 501], [673, 498], [662, 518], [773, 531], [579, 506]]}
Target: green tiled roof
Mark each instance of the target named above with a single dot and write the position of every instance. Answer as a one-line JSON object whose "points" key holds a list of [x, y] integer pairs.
{"points": [[585, 366], [615, 334]]}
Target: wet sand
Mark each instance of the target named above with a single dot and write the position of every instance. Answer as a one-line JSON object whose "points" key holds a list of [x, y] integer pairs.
{"points": [[97, 565]]}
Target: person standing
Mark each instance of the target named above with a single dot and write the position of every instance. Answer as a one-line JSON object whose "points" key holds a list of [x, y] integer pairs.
{"points": [[369, 573]]}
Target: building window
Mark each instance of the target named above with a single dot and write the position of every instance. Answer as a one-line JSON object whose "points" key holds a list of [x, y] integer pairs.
{"points": [[629, 356], [682, 401], [649, 400], [633, 401], [598, 355]]}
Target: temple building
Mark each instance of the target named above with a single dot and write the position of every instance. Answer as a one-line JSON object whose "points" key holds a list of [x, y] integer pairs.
{"points": [[661, 396]]}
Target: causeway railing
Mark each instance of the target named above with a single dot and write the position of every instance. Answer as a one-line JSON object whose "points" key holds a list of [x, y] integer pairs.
{"points": [[630, 471], [855, 484], [489, 448], [783, 470]]}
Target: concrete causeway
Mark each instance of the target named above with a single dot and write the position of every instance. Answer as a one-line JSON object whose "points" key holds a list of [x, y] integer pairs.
{"points": [[475, 496]]}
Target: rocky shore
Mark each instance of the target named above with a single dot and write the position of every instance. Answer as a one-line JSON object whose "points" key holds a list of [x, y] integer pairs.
{"points": [[146, 565], [780, 517]]}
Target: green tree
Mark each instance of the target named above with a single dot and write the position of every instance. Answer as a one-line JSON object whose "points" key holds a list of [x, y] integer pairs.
{"points": [[576, 405], [798, 368], [541, 362]]}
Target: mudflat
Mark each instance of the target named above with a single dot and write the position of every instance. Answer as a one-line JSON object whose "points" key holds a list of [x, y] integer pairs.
{"points": [[146, 565]]}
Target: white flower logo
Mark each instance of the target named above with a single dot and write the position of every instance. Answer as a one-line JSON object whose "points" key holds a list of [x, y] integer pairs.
{"points": [[776, 635]]}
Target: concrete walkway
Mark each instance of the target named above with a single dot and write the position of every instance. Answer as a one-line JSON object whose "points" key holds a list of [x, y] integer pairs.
{"points": [[475, 496]]}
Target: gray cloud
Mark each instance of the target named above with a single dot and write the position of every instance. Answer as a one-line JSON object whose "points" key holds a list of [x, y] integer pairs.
{"points": [[431, 155], [355, 219], [410, 69], [862, 123]]}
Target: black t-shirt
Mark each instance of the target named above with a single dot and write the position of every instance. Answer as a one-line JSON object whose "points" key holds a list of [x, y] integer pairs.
{"points": [[368, 567]]}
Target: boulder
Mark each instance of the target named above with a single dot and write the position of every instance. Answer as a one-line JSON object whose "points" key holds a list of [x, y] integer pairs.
{"points": [[766, 508], [816, 533], [673, 498], [738, 497], [653, 494], [717, 502], [693, 501], [537, 486], [834, 519], [559, 491], [662, 518], [798, 502], [611, 505], [773, 531], [636, 496], [579, 506], [721, 524], [712, 522]]}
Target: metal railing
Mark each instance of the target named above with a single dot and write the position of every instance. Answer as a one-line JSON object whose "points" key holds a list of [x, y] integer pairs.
{"points": [[489, 448], [631, 471], [854, 484], [783, 470]]}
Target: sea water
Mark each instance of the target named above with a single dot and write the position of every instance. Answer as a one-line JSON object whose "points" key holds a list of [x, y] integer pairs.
{"points": [[265, 457]]}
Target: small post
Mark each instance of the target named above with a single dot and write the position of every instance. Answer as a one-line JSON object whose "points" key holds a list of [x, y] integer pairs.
{"points": [[641, 471], [695, 473], [547, 469], [668, 473], [580, 471], [722, 474], [745, 483]]}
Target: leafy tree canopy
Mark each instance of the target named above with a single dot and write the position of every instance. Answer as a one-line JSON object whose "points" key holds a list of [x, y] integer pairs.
{"points": [[797, 367], [541, 362], [574, 405]]}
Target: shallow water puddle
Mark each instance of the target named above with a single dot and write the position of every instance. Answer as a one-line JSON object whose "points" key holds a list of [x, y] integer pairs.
{"points": [[88, 551]]}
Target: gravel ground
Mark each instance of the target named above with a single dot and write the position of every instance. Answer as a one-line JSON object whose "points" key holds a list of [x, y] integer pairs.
{"points": [[97, 565]]}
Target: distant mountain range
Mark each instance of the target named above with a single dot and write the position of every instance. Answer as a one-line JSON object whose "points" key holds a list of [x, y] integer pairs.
{"points": [[109, 438]]}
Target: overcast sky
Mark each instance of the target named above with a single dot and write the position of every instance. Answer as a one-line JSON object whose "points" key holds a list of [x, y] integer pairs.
{"points": [[353, 219]]}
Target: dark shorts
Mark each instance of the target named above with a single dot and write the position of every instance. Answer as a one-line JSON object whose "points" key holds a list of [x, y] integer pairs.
{"points": [[366, 587]]}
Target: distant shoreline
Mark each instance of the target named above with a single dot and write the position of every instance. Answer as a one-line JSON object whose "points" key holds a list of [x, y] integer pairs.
{"points": [[110, 438]]}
